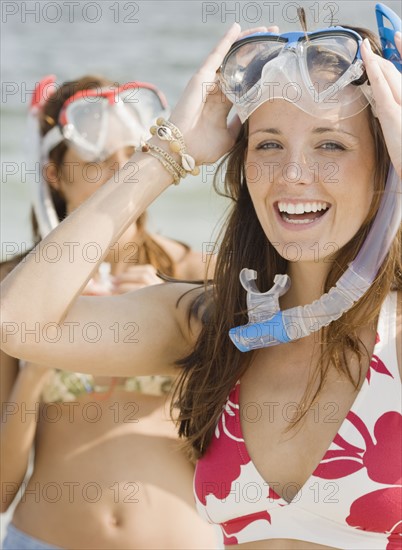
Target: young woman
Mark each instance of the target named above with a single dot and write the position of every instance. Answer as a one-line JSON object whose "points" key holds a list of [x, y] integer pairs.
{"points": [[271, 476], [108, 469]]}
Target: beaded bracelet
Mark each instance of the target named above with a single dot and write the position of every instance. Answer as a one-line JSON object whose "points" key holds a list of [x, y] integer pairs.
{"points": [[167, 131], [179, 169], [165, 163]]}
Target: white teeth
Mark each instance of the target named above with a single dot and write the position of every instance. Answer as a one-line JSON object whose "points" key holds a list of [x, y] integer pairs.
{"points": [[296, 222], [301, 208]]}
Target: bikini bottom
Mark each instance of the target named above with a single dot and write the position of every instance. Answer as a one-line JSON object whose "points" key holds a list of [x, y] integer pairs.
{"points": [[18, 540]]}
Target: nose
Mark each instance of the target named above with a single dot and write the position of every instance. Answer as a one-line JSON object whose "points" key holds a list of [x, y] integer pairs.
{"points": [[297, 170]]}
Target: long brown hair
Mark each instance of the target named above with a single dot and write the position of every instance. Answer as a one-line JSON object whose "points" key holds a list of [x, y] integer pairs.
{"points": [[149, 251], [212, 369]]}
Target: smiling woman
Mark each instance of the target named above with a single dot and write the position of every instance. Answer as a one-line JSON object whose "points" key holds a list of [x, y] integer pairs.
{"points": [[343, 159], [297, 442]]}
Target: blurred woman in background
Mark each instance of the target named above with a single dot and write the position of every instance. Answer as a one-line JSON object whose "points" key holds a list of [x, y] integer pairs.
{"points": [[108, 471]]}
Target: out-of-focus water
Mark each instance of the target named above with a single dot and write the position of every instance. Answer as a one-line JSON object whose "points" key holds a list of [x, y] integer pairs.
{"points": [[157, 41]]}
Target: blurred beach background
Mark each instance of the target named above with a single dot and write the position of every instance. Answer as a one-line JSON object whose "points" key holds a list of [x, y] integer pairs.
{"points": [[157, 41]]}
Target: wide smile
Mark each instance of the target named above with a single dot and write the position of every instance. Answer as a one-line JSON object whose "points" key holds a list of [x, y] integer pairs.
{"points": [[301, 215]]}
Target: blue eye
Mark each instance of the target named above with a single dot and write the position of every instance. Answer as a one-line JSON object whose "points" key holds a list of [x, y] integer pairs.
{"points": [[268, 145], [332, 146]]}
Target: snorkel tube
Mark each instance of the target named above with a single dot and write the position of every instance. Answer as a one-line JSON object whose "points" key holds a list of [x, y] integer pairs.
{"points": [[42, 202], [268, 325]]}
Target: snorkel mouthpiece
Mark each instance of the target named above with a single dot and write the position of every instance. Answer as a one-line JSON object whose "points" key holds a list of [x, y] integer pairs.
{"points": [[260, 335], [265, 324]]}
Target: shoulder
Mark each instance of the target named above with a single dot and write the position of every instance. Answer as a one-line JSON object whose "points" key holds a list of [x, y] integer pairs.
{"points": [[189, 265], [176, 250], [194, 266]]}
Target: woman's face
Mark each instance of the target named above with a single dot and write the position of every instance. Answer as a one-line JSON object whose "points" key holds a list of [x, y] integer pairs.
{"points": [[77, 179], [310, 179]]}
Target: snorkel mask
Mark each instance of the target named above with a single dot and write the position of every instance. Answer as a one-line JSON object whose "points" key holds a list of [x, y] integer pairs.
{"points": [[301, 56], [309, 69], [95, 123]]}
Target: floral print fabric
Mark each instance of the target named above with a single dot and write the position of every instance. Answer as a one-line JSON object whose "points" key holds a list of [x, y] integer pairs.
{"points": [[353, 499]]}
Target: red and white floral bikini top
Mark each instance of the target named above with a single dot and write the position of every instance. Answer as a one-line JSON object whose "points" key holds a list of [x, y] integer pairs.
{"points": [[353, 499]]}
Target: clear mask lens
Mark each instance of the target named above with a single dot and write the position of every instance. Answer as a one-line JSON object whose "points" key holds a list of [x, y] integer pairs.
{"points": [[243, 68], [87, 125], [328, 59], [99, 126], [143, 105], [313, 74]]}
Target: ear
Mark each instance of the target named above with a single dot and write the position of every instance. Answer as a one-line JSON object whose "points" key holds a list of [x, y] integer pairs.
{"points": [[51, 173]]}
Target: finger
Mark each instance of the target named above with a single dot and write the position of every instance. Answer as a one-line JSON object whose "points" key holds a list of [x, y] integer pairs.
{"points": [[251, 31], [214, 98], [194, 95], [392, 76], [386, 65], [383, 83], [247, 32]]}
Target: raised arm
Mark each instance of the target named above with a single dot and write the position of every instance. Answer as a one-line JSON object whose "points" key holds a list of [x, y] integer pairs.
{"points": [[42, 294]]}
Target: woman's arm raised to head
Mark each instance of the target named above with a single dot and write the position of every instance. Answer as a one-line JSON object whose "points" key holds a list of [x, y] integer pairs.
{"points": [[138, 333], [42, 293], [42, 290]]}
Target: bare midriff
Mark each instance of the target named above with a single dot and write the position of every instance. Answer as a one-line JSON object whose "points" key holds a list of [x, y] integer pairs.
{"points": [[109, 473]]}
